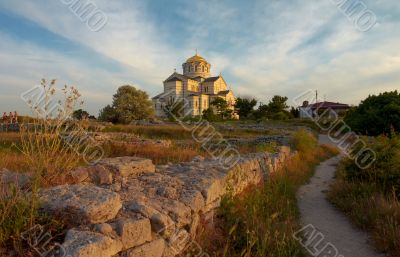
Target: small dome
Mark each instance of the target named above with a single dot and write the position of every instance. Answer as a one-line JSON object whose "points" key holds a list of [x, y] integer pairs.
{"points": [[196, 58]]}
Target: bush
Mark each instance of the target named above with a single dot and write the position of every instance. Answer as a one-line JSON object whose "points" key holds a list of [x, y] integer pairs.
{"points": [[377, 114], [385, 171], [303, 141]]}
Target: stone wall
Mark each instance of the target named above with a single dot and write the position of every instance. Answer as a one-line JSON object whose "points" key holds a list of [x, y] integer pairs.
{"points": [[127, 206]]}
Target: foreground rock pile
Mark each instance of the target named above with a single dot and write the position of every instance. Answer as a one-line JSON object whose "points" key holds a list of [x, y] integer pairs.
{"points": [[128, 207]]}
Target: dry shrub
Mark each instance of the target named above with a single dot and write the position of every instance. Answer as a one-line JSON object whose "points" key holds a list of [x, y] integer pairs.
{"points": [[44, 142], [41, 150], [371, 210]]}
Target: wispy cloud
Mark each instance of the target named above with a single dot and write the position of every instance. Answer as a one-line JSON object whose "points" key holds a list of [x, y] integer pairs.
{"points": [[262, 47]]}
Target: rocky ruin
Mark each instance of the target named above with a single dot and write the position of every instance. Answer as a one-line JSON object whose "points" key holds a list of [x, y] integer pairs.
{"points": [[127, 206]]}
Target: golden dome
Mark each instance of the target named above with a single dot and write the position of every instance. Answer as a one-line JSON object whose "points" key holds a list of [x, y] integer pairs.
{"points": [[196, 58]]}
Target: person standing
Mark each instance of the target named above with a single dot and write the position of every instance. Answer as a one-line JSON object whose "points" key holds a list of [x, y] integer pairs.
{"points": [[15, 117]]}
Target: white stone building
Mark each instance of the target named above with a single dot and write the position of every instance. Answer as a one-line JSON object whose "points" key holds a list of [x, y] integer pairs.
{"points": [[195, 87]]}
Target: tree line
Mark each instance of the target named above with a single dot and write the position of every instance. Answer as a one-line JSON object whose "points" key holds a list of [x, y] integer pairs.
{"points": [[376, 115]]}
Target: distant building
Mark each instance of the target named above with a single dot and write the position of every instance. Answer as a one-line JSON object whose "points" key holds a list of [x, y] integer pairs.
{"points": [[195, 86], [309, 110]]}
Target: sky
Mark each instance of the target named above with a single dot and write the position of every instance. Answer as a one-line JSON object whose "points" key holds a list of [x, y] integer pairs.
{"points": [[262, 47]]}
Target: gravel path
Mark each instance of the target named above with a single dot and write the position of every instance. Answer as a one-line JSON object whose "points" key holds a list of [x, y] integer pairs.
{"points": [[338, 233]]}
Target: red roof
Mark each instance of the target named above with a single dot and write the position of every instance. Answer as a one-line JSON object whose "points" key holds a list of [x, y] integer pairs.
{"points": [[326, 105]]}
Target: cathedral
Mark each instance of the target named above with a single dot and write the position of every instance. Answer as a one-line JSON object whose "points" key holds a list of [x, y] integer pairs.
{"points": [[196, 87]]}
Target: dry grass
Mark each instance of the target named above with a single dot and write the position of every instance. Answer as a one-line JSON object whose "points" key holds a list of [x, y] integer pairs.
{"points": [[157, 153], [370, 197], [153, 132], [371, 210]]}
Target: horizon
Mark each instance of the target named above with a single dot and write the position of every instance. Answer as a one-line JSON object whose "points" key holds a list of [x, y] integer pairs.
{"points": [[261, 48]]}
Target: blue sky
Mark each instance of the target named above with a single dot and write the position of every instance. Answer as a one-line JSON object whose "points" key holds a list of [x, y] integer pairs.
{"points": [[261, 47]]}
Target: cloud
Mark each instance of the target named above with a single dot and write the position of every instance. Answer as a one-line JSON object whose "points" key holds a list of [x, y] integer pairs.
{"points": [[263, 48]]}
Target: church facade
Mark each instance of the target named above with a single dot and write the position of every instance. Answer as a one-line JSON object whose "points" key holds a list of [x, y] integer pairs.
{"points": [[195, 87]]}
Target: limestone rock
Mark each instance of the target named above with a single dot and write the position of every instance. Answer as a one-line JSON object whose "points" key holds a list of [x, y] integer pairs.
{"points": [[152, 249], [81, 203], [79, 175], [161, 223], [104, 228], [125, 166], [133, 232], [90, 244], [20, 180], [177, 243], [105, 177]]}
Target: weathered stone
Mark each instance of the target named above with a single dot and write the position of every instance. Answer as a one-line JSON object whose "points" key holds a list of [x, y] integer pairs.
{"points": [[194, 225], [90, 244], [104, 228], [125, 166], [79, 175], [133, 232], [81, 203], [177, 243], [152, 249], [193, 199], [116, 187], [105, 177], [160, 223], [20, 180]]}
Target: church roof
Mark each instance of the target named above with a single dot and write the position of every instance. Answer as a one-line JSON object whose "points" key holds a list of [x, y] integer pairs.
{"points": [[176, 77], [211, 79], [225, 92], [196, 58], [158, 96]]}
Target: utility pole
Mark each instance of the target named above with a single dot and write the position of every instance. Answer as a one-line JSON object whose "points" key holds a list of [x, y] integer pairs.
{"points": [[316, 96]]}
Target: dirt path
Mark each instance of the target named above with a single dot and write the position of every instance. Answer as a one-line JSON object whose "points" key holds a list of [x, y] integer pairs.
{"points": [[334, 226]]}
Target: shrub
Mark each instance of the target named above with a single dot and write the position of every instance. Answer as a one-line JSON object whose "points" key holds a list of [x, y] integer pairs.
{"points": [[385, 171], [376, 115], [304, 141]]}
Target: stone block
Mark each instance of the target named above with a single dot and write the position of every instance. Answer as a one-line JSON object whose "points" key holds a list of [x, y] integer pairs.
{"points": [[90, 244], [151, 249], [81, 203], [133, 232], [126, 166]]}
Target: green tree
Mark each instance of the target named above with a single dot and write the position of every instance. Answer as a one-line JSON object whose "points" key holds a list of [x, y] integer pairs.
{"points": [[80, 114], [277, 104], [377, 114], [128, 104], [108, 114], [261, 112], [276, 109], [295, 112], [222, 108], [209, 115], [245, 106]]}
